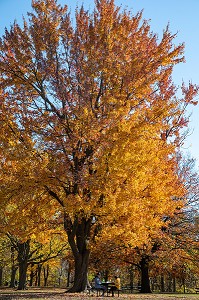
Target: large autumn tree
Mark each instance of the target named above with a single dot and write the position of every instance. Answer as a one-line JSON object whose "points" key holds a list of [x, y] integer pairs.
{"points": [[86, 106]]}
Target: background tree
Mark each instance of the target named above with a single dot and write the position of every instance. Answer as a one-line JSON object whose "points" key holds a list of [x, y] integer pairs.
{"points": [[4, 258], [86, 108], [32, 252]]}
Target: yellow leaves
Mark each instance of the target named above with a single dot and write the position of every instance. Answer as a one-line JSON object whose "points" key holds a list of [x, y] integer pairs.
{"points": [[137, 192], [86, 112], [166, 61], [33, 236], [93, 106]]}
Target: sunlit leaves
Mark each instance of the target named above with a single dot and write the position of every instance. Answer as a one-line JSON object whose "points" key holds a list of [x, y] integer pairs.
{"points": [[93, 119]]}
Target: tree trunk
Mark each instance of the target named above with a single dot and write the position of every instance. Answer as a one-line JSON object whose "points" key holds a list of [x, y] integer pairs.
{"points": [[131, 277], [81, 270], [144, 267], [13, 275], [46, 273], [1, 275], [169, 289], [174, 284], [68, 274], [184, 286], [162, 283], [13, 268], [23, 255], [39, 275], [36, 277], [78, 237], [106, 275], [32, 275]]}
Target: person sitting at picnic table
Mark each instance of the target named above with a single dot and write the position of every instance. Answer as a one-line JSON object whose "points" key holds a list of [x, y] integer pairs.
{"points": [[98, 284], [116, 286]]}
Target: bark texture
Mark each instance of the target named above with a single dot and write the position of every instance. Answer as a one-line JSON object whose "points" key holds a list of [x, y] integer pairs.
{"points": [[78, 236], [23, 255], [145, 282]]}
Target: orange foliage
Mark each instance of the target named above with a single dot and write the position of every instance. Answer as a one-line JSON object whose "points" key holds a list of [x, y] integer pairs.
{"points": [[93, 118]]}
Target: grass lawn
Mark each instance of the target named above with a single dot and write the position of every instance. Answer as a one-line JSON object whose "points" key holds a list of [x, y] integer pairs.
{"points": [[58, 294]]}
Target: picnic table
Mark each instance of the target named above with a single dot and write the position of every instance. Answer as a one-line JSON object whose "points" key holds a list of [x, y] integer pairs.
{"points": [[108, 285]]}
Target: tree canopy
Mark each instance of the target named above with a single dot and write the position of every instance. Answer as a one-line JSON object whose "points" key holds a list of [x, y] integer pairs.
{"points": [[91, 121]]}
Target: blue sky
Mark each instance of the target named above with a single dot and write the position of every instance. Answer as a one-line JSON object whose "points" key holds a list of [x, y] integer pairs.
{"points": [[182, 15]]}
